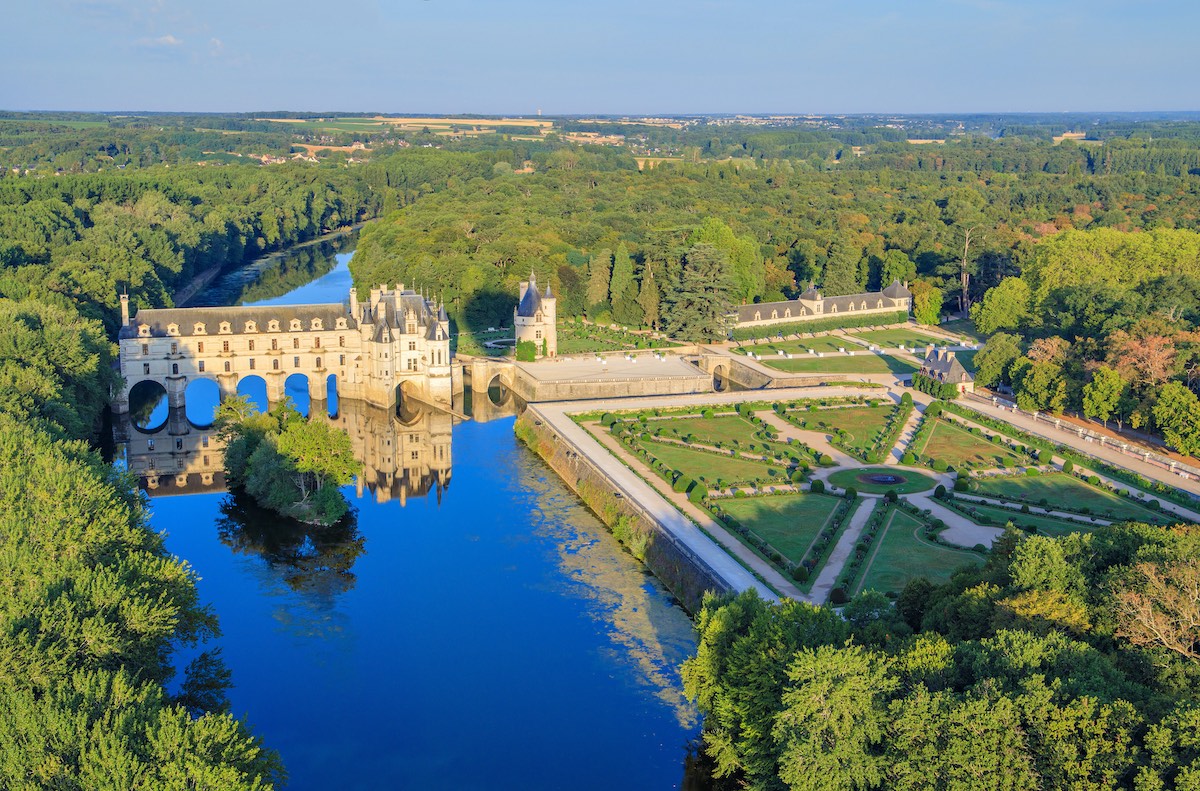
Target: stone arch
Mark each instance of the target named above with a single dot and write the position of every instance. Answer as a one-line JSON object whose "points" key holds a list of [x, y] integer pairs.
{"points": [[149, 406], [255, 387], [720, 375], [200, 399], [296, 388]]}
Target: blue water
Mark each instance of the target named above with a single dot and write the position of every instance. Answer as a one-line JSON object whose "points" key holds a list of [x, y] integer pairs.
{"points": [[334, 286], [492, 637]]}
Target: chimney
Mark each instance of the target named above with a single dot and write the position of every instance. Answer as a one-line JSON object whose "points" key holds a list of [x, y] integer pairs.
{"points": [[354, 303], [125, 310], [929, 352]]}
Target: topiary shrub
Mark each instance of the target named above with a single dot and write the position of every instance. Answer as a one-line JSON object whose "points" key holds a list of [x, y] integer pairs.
{"points": [[939, 492], [800, 574], [891, 496], [1032, 471], [908, 459], [838, 596], [940, 466], [817, 487], [826, 460], [1068, 467], [698, 493], [961, 485], [851, 493], [682, 482], [933, 410]]}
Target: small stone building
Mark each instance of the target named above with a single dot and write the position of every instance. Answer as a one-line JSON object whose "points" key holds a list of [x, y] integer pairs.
{"points": [[942, 365], [812, 305], [535, 317]]}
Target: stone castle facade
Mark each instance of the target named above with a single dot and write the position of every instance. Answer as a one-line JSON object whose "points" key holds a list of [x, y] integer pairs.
{"points": [[812, 305], [535, 317]]}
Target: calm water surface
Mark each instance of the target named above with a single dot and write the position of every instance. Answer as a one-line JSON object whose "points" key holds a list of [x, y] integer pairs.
{"points": [[492, 635]]}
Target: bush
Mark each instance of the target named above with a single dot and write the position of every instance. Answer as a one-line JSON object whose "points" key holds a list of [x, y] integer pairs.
{"points": [[891, 496], [851, 493], [1068, 467], [908, 459], [682, 482], [800, 574], [933, 410], [817, 487], [940, 466], [826, 460], [939, 492], [798, 476], [906, 399], [526, 351], [1024, 508], [1032, 471], [838, 596], [698, 493], [607, 419], [961, 485], [1094, 480]]}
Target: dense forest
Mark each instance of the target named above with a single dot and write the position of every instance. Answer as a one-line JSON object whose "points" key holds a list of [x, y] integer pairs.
{"points": [[1082, 267], [1064, 663]]}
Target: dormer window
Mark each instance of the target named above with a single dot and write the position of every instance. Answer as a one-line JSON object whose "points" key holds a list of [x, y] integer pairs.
{"points": [[251, 326], [294, 325], [316, 325], [144, 330], [863, 305], [774, 314], [787, 313], [758, 315], [341, 324], [199, 329], [172, 329], [226, 328], [879, 304], [272, 326], [848, 307]]}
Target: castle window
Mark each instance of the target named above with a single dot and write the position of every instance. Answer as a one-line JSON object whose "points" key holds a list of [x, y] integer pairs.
{"points": [[174, 348], [341, 359], [226, 366], [850, 306], [273, 325], [224, 346], [295, 343], [833, 309], [274, 344], [201, 366], [172, 329], [274, 365], [879, 304], [251, 363], [412, 346], [317, 325], [200, 347], [175, 369], [251, 345], [863, 305], [199, 329], [145, 349], [538, 317], [294, 325], [251, 326], [758, 315], [150, 446], [317, 342], [412, 329], [341, 340], [318, 363], [412, 364], [145, 369], [341, 324], [179, 446], [295, 362], [226, 328], [204, 441], [144, 330], [787, 313]]}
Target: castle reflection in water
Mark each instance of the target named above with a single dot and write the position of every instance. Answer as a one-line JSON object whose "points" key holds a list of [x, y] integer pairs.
{"points": [[403, 452]]}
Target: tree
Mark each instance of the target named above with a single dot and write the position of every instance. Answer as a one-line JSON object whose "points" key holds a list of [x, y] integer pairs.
{"points": [[649, 298], [1102, 396], [927, 303], [994, 360], [700, 308], [622, 274], [744, 258], [894, 265], [1177, 413], [598, 278], [1039, 386], [841, 270], [1004, 307], [1163, 610]]}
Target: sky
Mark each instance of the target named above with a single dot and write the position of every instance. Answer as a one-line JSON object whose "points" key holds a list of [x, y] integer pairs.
{"points": [[611, 57]]}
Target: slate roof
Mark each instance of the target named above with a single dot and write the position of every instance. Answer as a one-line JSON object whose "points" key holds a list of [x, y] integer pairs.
{"points": [[945, 367], [531, 303], [843, 303], [897, 291], [159, 319]]}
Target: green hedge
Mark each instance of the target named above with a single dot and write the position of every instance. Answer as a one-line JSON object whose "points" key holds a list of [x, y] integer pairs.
{"points": [[819, 325], [526, 351], [927, 384]]}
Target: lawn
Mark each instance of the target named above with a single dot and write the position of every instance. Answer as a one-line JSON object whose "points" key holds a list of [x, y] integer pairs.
{"points": [[895, 337], [823, 343], [710, 467], [862, 423], [842, 364], [726, 429], [909, 481], [789, 523], [964, 327], [1046, 525], [587, 338], [901, 554], [1066, 493], [962, 450]]}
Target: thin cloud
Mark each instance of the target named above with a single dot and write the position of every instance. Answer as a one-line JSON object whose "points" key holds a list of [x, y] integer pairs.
{"points": [[160, 41], [215, 46]]}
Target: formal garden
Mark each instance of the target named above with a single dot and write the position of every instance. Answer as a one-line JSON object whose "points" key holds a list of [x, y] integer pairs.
{"points": [[757, 468], [579, 337]]}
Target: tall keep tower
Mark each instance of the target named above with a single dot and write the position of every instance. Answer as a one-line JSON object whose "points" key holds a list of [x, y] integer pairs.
{"points": [[535, 316]]}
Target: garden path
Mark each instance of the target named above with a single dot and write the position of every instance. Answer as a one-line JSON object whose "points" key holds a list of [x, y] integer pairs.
{"points": [[906, 435], [1035, 510], [841, 551], [959, 530], [817, 440]]}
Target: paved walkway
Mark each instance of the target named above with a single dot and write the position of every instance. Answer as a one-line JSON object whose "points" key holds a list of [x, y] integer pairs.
{"points": [[1034, 510], [907, 434], [842, 550], [959, 530], [817, 440], [656, 505]]}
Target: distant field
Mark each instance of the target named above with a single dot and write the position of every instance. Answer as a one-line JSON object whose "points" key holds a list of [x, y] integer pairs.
{"points": [[901, 554], [50, 122], [841, 363], [436, 125]]}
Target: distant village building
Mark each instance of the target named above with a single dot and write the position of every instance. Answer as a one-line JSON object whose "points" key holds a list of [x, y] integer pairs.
{"points": [[941, 365], [811, 305], [534, 318]]}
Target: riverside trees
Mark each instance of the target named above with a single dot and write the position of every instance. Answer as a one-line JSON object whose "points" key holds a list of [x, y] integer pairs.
{"points": [[1047, 668]]}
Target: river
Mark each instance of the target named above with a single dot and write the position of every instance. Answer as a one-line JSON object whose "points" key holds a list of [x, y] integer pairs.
{"points": [[480, 630]]}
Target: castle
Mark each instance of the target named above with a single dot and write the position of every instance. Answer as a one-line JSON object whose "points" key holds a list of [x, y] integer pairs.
{"points": [[811, 305], [535, 316], [398, 339]]}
